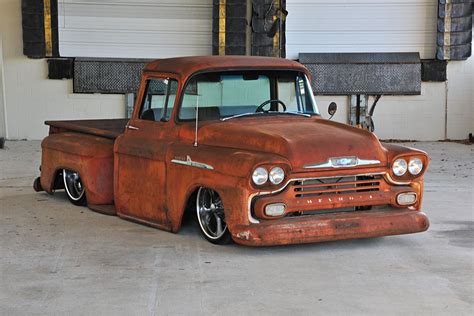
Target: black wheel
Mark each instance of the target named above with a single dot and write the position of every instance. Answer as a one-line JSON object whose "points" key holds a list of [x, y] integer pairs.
{"points": [[210, 216], [75, 190]]}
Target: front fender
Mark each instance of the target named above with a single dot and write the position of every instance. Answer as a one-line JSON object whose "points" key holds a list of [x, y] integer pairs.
{"points": [[225, 170]]}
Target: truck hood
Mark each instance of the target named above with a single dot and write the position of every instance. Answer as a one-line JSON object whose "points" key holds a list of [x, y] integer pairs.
{"points": [[303, 141]]}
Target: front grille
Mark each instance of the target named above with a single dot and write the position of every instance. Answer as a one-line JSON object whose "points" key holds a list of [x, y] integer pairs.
{"points": [[336, 185]]}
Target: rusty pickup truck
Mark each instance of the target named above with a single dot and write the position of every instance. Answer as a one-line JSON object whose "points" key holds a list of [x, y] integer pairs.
{"points": [[238, 143]]}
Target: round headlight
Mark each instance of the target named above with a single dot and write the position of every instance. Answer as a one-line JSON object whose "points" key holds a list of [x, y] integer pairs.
{"points": [[415, 166], [399, 167], [260, 176], [277, 175]]}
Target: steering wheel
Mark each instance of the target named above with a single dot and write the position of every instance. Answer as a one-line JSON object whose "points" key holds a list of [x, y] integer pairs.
{"points": [[260, 107]]}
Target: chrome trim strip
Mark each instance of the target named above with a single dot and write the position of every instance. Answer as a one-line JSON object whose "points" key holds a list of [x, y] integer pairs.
{"points": [[132, 127], [258, 113], [189, 162], [391, 181], [330, 163], [252, 219]]}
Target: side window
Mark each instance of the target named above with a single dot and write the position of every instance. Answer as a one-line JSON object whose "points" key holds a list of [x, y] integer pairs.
{"points": [[158, 100]]}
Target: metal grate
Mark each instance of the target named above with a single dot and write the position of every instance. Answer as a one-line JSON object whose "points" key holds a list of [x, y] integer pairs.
{"points": [[364, 73], [113, 76]]}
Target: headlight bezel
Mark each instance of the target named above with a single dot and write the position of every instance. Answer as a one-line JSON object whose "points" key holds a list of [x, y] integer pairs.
{"points": [[399, 164], [269, 166], [407, 176], [277, 172], [419, 167], [263, 176]]}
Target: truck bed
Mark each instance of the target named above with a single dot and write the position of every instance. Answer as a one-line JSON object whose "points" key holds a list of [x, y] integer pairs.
{"points": [[108, 128]]}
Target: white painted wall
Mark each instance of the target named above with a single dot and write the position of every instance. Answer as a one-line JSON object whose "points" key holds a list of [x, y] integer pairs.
{"points": [[460, 98], [30, 97], [135, 28], [422, 117], [330, 26]]}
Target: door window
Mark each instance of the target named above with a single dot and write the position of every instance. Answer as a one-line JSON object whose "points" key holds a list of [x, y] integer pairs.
{"points": [[159, 99]]}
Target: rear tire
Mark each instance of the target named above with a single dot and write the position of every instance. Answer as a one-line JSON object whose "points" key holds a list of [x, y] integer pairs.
{"points": [[211, 218], [75, 190]]}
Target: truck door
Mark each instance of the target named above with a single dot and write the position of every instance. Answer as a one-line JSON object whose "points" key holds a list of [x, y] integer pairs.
{"points": [[140, 173]]}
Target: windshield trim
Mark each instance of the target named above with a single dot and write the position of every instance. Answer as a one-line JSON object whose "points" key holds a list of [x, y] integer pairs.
{"points": [[265, 112], [179, 100]]}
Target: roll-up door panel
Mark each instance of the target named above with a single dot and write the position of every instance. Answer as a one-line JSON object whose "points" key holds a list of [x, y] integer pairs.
{"points": [[135, 28], [328, 26]]}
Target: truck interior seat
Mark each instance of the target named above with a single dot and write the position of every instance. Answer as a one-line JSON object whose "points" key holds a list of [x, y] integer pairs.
{"points": [[205, 113], [232, 110], [151, 115]]}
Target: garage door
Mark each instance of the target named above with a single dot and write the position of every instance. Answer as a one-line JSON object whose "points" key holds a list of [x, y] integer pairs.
{"points": [[135, 28], [329, 26]]}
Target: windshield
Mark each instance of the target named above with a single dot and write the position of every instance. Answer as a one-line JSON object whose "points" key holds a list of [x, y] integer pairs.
{"points": [[225, 95]]}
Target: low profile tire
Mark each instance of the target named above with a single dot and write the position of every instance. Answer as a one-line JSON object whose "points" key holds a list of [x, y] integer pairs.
{"points": [[74, 188], [210, 216]]}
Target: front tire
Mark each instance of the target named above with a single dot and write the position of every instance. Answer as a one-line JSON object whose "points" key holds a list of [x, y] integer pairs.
{"points": [[75, 190], [211, 218]]}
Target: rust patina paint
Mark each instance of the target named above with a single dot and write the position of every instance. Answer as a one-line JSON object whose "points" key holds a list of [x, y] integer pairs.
{"points": [[132, 168]]}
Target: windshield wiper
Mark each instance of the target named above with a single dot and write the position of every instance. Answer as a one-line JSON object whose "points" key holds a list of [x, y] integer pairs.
{"points": [[269, 112], [241, 115], [294, 113]]}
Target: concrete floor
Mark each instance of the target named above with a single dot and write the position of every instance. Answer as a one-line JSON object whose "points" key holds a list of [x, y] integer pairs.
{"points": [[56, 258]]}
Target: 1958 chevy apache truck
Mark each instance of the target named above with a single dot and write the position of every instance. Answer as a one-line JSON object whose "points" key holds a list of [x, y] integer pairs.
{"points": [[239, 143]]}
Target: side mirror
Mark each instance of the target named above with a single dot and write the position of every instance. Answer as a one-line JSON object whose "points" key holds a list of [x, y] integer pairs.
{"points": [[332, 108]]}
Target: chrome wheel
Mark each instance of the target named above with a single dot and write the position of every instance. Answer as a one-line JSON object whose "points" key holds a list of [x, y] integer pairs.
{"points": [[74, 188], [210, 215]]}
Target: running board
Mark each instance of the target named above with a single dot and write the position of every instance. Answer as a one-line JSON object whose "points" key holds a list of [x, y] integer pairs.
{"points": [[107, 209]]}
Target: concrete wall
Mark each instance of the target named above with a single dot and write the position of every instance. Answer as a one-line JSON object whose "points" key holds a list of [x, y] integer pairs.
{"points": [[31, 98]]}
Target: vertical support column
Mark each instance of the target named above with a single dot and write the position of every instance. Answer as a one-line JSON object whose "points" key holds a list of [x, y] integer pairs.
{"points": [[129, 103], [358, 112], [454, 29], [268, 26], [249, 27], [222, 24], [40, 28], [48, 37], [276, 24], [3, 104]]}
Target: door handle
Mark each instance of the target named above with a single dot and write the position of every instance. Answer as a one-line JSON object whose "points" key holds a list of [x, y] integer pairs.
{"points": [[132, 127]]}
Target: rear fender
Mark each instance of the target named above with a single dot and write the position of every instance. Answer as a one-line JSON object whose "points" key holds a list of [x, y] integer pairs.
{"points": [[90, 156]]}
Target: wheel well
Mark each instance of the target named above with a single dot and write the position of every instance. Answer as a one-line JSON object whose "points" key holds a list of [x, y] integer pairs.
{"points": [[58, 182], [189, 208]]}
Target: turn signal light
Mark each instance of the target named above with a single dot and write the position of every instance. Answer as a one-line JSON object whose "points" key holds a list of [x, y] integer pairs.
{"points": [[406, 198], [275, 209]]}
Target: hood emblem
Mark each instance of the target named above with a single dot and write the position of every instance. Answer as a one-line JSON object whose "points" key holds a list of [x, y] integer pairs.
{"points": [[343, 162]]}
